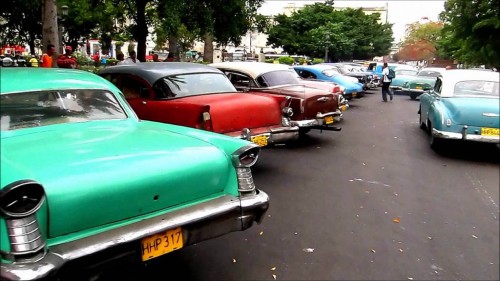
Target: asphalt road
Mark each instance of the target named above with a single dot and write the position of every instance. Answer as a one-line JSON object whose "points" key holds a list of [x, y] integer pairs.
{"points": [[372, 202]]}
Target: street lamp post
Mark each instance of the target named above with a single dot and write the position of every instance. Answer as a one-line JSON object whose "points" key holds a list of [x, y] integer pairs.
{"points": [[62, 17], [327, 39]]}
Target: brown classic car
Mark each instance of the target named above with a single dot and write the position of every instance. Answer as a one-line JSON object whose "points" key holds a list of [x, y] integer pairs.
{"points": [[200, 96], [313, 108]]}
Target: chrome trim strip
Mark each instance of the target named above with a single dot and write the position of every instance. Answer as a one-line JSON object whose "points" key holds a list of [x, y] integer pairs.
{"points": [[244, 210], [491, 114], [467, 137]]}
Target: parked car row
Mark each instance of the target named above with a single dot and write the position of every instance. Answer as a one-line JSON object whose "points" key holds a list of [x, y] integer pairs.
{"points": [[144, 159], [150, 158]]}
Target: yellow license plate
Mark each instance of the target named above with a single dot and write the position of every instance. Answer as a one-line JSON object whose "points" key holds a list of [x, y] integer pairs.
{"points": [[490, 132], [260, 140], [329, 119], [354, 95], [418, 87], [161, 243]]}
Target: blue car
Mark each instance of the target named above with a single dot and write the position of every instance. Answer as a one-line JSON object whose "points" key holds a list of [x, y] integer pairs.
{"points": [[463, 105], [326, 73]]}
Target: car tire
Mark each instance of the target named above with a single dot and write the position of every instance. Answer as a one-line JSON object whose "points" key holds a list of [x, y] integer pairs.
{"points": [[422, 124], [436, 143], [413, 96], [304, 131]]}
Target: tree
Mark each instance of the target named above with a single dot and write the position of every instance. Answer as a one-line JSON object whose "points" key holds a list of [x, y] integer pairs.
{"points": [[347, 34], [50, 29], [421, 43], [473, 27], [22, 24]]}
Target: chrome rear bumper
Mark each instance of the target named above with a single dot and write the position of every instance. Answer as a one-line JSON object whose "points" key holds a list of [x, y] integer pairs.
{"points": [[200, 222], [465, 136]]}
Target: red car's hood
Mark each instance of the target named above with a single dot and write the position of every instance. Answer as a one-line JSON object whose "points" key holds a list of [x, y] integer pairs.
{"points": [[232, 112]]}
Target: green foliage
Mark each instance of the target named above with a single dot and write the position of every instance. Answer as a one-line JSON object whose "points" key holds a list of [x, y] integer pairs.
{"points": [[269, 60], [316, 61], [21, 22], [347, 34], [471, 31], [286, 60]]}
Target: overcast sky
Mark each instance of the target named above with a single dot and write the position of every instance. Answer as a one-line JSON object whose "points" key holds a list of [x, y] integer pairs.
{"points": [[401, 12]]}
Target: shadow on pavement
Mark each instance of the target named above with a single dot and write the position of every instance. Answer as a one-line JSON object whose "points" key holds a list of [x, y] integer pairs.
{"points": [[471, 151]]}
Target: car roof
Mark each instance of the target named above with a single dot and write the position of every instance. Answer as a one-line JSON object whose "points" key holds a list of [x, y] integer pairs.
{"points": [[453, 76], [319, 67], [253, 69], [24, 79], [436, 69], [152, 71]]}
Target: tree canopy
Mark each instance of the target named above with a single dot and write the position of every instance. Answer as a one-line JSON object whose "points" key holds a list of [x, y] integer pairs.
{"points": [[421, 42], [346, 34], [471, 31]]}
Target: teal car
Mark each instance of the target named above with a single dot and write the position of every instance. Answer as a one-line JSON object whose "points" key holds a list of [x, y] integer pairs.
{"points": [[84, 181], [463, 105], [402, 77], [424, 81]]}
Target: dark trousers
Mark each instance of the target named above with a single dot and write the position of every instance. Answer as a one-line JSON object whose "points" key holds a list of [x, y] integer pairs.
{"points": [[386, 91]]}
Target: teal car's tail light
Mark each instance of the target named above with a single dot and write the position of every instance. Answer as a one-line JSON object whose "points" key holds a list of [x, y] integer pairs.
{"points": [[243, 159], [19, 202]]}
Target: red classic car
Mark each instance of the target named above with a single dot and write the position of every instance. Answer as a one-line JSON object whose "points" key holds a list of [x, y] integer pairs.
{"points": [[200, 96], [313, 108]]}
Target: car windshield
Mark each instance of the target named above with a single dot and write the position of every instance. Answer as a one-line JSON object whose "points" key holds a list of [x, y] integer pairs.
{"points": [[406, 72], [186, 85], [429, 73], [278, 78], [477, 88], [42, 108]]}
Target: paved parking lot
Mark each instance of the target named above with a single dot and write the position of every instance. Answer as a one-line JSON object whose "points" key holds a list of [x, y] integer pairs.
{"points": [[372, 202]]}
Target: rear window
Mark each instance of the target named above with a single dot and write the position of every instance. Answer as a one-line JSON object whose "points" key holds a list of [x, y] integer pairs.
{"points": [[42, 108], [477, 88], [193, 84], [278, 78], [429, 73]]}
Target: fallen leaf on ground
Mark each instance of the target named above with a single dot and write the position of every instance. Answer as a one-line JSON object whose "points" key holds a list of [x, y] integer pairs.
{"points": [[401, 250], [234, 260], [308, 250], [274, 276], [273, 269], [262, 232], [373, 251], [396, 220], [474, 236]]}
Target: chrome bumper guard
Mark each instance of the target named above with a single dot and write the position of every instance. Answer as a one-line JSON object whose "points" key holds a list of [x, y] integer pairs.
{"points": [[201, 222], [464, 136], [319, 122]]}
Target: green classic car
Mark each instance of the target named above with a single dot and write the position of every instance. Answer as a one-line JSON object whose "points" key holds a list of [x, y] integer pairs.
{"points": [[424, 81], [83, 180], [402, 76]]}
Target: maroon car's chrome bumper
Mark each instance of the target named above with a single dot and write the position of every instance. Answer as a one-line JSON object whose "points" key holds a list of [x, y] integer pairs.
{"points": [[320, 121], [200, 222]]}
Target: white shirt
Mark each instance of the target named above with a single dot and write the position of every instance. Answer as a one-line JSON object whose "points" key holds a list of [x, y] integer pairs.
{"points": [[385, 73]]}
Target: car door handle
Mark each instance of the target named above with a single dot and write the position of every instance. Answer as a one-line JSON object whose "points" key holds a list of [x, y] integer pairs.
{"points": [[144, 102], [322, 99]]}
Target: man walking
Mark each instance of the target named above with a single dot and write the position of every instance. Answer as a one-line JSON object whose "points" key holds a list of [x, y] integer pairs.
{"points": [[386, 82]]}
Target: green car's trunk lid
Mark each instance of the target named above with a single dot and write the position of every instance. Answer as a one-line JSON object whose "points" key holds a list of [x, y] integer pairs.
{"points": [[107, 174]]}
